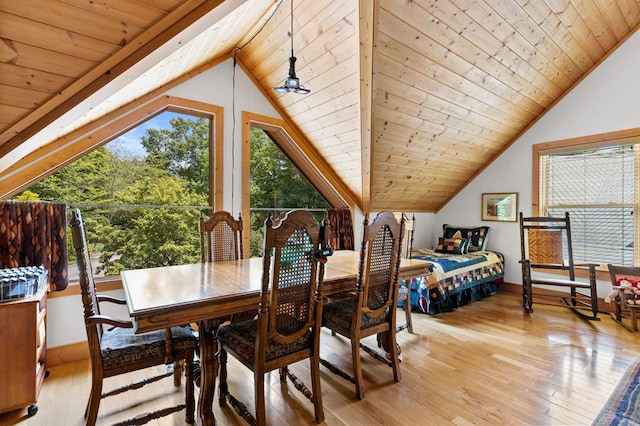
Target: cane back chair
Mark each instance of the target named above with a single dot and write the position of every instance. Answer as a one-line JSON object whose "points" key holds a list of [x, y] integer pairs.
{"points": [[546, 246], [626, 280], [372, 309], [287, 328], [118, 350], [221, 237], [221, 240]]}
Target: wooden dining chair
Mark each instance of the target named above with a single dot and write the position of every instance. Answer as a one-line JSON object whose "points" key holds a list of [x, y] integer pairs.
{"points": [[116, 349], [626, 281], [404, 291], [287, 328], [221, 237], [372, 309], [546, 246]]}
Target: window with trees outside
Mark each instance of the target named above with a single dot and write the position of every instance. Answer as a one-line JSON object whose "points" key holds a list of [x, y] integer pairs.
{"points": [[597, 183], [276, 185], [142, 194]]}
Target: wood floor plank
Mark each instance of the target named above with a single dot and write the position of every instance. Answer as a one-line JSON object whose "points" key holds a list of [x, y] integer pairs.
{"points": [[486, 363]]}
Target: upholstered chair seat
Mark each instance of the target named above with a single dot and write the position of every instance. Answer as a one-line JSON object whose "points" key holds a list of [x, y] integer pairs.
{"points": [[338, 316], [241, 339], [121, 346]]}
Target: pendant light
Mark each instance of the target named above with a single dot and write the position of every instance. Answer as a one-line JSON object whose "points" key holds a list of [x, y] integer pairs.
{"points": [[292, 83]]}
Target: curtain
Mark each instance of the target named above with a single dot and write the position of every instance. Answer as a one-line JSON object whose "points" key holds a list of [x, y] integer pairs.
{"points": [[341, 237], [34, 233]]}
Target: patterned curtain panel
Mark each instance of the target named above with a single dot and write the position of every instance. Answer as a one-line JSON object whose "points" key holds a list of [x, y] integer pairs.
{"points": [[341, 229], [34, 233]]}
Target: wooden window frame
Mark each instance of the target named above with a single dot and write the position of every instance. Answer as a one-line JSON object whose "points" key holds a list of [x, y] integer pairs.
{"points": [[301, 154], [602, 140]]}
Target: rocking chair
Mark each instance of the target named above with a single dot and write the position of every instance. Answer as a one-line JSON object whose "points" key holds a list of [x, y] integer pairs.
{"points": [[545, 244]]}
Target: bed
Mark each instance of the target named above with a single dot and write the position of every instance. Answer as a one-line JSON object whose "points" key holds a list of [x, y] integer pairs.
{"points": [[463, 271]]}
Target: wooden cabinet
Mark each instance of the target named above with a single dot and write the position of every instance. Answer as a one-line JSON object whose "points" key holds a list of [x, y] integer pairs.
{"points": [[22, 351]]}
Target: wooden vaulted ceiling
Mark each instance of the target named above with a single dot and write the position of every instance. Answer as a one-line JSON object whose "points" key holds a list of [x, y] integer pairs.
{"points": [[410, 99]]}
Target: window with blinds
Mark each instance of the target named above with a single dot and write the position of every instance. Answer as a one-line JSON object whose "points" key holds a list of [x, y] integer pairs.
{"points": [[598, 187]]}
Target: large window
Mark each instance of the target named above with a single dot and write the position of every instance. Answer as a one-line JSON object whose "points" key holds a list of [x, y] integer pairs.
{"points": [[598, 185], [141, 195], [276, 186], [281, 171]]}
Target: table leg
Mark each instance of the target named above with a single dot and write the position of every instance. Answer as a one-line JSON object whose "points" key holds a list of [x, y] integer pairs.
{"points": [[208, 369]]}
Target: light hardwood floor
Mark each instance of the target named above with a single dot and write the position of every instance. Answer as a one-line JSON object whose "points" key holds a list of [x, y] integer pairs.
{"points": [[487, 363]]}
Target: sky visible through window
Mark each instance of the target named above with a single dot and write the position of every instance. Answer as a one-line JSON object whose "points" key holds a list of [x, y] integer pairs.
{"points": [[130, 141]]}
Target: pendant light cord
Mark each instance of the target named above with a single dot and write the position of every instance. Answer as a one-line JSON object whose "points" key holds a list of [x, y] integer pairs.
{"points": [[291, 28], [237, 49], [233, 98]]}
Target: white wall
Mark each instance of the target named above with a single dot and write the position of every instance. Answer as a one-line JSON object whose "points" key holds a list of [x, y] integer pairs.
{"points": [[605, 101], [65, 320], [423, 231], [216, 86]]}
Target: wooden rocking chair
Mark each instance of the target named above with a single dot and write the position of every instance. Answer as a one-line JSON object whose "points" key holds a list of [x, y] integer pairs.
{"points": [[546, 246]]}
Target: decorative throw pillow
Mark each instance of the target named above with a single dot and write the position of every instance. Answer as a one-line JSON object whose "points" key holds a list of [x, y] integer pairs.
{"points": [[477, 236], [467, 242], [452, 245]]}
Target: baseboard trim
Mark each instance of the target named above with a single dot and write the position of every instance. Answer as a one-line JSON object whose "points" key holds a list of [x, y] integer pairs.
{"points": [[59, 355], [517, 289]]}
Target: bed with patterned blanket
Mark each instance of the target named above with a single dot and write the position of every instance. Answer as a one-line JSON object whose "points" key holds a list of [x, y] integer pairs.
{"points": [[460, 275]]}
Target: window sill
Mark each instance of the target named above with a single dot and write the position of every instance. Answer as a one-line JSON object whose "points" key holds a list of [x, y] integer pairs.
{"points": [[103, 284]]}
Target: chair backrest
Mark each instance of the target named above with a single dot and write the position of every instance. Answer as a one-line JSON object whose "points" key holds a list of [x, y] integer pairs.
{"points": [[545, 242], [87, 284], [290, 284], [407, 240], [630, 273], [220, 237], [379, 263]]}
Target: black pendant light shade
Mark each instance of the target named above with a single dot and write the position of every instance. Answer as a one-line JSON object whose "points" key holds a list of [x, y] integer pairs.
{"points": [[292, 83]]}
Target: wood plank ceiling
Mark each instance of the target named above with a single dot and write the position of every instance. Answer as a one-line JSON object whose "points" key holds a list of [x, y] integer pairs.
{"points": [[409, 100]]}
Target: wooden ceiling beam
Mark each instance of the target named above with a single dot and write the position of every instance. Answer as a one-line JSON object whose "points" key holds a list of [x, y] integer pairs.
{"points": [[174, 23]]}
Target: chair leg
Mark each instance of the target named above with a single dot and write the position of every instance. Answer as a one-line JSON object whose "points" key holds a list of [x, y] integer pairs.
{"points": [[394, 352], [261, 412], [91, 413], [594, 298], [357, 367], [190, 402], [177, 372], [618, 311], [527, 297], [634, 319], [317, 392], [223, 387]]}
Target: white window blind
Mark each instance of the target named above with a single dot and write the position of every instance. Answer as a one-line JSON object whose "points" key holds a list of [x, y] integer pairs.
{"points": [[598, 187]]}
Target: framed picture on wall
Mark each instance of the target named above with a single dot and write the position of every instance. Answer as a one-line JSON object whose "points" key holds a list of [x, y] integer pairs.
{"points": [[502, 207]]}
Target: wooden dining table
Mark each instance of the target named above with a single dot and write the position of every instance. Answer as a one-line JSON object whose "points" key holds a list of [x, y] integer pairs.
{"points": [[208, 293]]}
